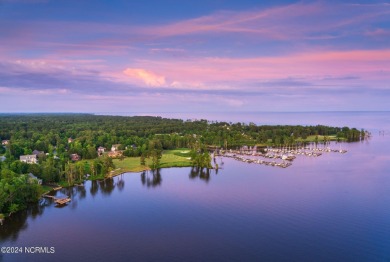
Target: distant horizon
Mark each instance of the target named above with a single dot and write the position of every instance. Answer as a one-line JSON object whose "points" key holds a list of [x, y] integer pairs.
{"points": [[195, 112], [367, 120]]}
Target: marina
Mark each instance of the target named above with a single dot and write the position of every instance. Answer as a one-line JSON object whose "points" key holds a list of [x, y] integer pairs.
{"points": [[286, 154]]}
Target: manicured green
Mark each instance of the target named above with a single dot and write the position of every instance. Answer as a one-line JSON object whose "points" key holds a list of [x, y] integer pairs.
{"points": [[320, 138], [183, 152], [170, 158]]}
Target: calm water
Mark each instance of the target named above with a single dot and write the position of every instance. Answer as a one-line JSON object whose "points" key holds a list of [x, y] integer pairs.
{"points": [[331, 208]]}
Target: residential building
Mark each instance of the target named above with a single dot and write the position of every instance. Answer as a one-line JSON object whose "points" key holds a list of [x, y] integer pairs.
{"points": [[115, 147], [101, 150], [29, 159]]}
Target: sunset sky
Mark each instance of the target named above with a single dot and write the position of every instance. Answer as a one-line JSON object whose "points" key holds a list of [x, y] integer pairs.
{"points": [[198, 56]]}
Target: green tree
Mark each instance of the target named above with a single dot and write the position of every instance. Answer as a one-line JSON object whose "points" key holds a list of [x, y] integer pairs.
{"points": [[156, 157], [142, 160]]}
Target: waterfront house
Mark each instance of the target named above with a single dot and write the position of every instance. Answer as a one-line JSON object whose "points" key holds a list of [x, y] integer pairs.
{"points": [[29, 159]]}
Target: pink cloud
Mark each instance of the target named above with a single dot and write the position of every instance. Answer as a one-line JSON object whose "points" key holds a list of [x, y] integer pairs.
{"points": [[308, 65], [149, 78]]}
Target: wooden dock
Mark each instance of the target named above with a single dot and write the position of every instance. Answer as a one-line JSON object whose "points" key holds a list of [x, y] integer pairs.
{"points": [[58, 201], [62, 201]]}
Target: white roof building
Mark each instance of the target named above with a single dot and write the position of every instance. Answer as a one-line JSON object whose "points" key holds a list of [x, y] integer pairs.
{"points": [[29, 159]]}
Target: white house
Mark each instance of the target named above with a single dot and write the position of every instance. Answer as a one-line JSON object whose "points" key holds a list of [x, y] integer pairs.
{"points": [[115, 147], [29, 159], [101, 150]]}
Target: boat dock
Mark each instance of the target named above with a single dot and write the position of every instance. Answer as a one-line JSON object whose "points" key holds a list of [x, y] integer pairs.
{"points": [[58, 201], [259, 161]]}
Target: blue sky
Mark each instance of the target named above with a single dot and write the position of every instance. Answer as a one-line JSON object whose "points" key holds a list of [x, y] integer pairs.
{"points": [[182, 56]]}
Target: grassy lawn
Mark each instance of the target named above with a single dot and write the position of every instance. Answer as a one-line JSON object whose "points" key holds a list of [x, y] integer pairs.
{"points": [[170, 158], [176, 158], [183, 152], [320, 138]]}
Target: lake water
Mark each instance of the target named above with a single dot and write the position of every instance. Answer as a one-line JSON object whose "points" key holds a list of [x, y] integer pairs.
{"points": [[331, 208]]}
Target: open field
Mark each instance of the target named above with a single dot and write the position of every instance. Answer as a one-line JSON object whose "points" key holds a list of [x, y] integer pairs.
{"points": [[320, 138], [170, 158]]}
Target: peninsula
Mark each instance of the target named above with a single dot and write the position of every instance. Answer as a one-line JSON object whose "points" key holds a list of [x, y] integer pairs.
{"points": [[42, 151]]}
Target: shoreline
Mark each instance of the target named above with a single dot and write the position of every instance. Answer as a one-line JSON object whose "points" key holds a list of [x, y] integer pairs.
{"points": [[114, 173]]}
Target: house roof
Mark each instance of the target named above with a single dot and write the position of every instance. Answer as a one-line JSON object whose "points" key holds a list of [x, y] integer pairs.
{"points": [[28, 156], [37, 152]]}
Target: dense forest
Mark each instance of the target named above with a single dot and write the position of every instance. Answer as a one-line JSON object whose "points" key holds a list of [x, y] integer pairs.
{"points": [[60, 140]]}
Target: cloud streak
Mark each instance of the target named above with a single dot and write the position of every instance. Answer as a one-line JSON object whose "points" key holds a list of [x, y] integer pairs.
{"points": [[300, 20]]}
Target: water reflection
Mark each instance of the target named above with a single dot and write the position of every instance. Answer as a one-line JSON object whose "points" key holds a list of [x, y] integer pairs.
{"points": [[107, 186], [17, 223], [202, 173], [81, 192], [121, 182], [94, 188], [151, 178]]}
